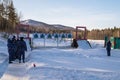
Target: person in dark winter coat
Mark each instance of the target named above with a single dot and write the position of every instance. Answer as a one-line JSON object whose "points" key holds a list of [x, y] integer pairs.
{"points": [[10, 50], [108, 48], [74, 44], [21, 49], [17, 49], [14, 41]]}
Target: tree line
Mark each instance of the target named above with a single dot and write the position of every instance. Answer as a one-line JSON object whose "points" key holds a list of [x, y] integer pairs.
{"points": [[9, 17], [100, 34]]}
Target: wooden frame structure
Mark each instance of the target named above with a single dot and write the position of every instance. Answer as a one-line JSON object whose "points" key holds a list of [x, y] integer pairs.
{"points": [[85, 32]]}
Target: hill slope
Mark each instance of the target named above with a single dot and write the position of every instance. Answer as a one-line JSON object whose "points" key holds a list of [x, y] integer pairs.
{"points": [[43, 25]]}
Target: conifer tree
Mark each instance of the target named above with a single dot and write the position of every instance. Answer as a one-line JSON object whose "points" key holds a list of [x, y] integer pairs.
{"points": [[12, 17], [8, 16]]}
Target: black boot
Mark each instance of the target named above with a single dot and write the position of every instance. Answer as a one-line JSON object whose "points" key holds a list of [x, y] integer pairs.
{"points": [[23, 61], [10, 62]]}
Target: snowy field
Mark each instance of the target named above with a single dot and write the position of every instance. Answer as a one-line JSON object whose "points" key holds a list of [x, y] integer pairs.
{"points": [[83, 63]]}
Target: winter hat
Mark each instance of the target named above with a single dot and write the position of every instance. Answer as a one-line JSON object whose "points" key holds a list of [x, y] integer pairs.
{"points": [[21, 38]]}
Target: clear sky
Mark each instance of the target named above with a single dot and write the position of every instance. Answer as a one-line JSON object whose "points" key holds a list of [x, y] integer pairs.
{"points": [[90, 13]]}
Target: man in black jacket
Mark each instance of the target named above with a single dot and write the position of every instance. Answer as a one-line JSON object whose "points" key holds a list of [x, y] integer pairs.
{"points": [[108, 48], [10, 50], [21, 49]]}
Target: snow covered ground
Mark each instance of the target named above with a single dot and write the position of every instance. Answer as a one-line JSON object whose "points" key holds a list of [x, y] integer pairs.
{"points": [[63, 64]]}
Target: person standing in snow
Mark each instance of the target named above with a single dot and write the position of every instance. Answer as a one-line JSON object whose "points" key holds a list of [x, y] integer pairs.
{"points": [[10, 49], [74, 44], [17, 49], [108, 48], [21, 49], [14, 41]]}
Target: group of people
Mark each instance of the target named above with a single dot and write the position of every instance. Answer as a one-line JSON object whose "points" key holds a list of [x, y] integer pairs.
{"points": [[16, 49]]}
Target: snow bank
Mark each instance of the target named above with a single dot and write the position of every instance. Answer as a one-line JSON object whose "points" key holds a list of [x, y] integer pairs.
{"points": [[3, 56], [83, 44]]}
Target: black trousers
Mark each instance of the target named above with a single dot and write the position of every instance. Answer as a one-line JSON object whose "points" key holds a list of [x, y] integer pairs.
{"points": [[10, 55], [22, 56], [108, 53]]}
